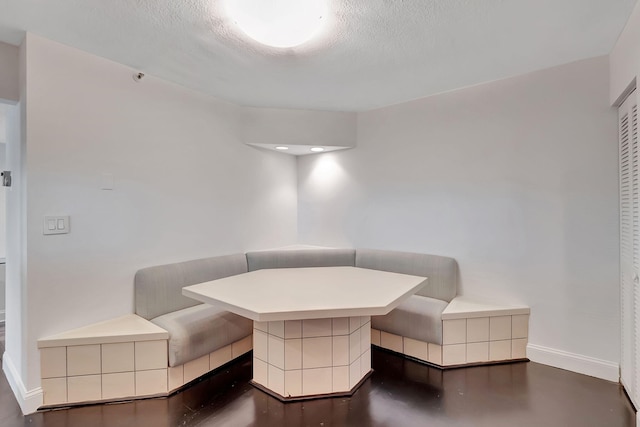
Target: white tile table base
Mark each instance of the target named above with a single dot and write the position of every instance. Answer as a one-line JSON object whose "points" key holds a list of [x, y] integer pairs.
{"points": [[305, 359], [316, 341]]}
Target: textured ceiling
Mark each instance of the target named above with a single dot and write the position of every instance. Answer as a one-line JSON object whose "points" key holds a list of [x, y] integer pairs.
{"points": [[372, 53]]}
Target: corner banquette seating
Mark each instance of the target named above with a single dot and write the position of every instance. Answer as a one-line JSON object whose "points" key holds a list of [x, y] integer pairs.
{"points": [[187, 339], [195, 329]]}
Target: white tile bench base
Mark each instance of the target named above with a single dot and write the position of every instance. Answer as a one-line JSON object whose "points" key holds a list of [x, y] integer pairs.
{"points": [[469, 341], [122, 371], [300, 359]]}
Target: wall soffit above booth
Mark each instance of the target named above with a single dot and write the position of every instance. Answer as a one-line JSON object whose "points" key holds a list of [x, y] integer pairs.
{"points": [[298, 132]]}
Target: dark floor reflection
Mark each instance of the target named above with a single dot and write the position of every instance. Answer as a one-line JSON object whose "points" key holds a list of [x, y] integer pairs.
{"points": [[400, 392]]}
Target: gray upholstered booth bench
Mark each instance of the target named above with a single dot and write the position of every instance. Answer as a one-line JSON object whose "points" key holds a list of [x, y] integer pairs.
{"points": [[197, 332], [172, 340]]}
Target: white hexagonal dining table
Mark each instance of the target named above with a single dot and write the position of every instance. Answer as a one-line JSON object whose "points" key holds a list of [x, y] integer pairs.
{"points": [[312, 326]]}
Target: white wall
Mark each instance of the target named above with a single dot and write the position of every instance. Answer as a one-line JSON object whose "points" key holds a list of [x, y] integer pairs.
{"points": [[9, 81], [184, 187], [625, 58], [3, 219], [516, 179], [3, 122], [14, 366], [3, 207]]}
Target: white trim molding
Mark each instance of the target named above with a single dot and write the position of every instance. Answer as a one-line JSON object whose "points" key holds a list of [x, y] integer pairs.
{"points": [[586, 365], [29, 400]]}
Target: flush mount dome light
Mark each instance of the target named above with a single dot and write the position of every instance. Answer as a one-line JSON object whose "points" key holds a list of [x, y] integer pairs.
{"points": [[282, 148], [317, 149], [278, 23]]}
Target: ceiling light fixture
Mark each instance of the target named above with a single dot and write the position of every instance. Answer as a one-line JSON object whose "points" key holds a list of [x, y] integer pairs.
{"points": [[282, 147], [317, 149], [278, 23]]}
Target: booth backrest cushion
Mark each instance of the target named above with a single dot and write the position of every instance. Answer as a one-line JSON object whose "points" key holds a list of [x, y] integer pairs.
{"points": [[298, 258], [158, 290], [442, 272]]}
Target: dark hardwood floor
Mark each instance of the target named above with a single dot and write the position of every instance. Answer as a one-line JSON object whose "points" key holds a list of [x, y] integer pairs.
{"points": [[399, 393]]}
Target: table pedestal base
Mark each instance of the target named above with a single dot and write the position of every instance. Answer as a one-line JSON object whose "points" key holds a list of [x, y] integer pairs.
{"points": [[303, 359]]}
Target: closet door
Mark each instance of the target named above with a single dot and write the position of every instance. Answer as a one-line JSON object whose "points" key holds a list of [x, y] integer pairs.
{"points": [[630, 246]]}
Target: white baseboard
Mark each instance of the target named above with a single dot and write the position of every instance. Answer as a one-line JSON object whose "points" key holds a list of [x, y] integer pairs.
{"points": [[591, 366], [29, 400]]}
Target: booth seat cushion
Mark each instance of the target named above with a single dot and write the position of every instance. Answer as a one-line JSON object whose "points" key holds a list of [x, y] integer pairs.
{"points": [[442, 272], [298, 258], [418, 318], [199, 330], [158, 290]]}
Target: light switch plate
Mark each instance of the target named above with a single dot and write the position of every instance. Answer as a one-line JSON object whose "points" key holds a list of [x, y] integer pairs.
{"points": [[55, 225]]}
